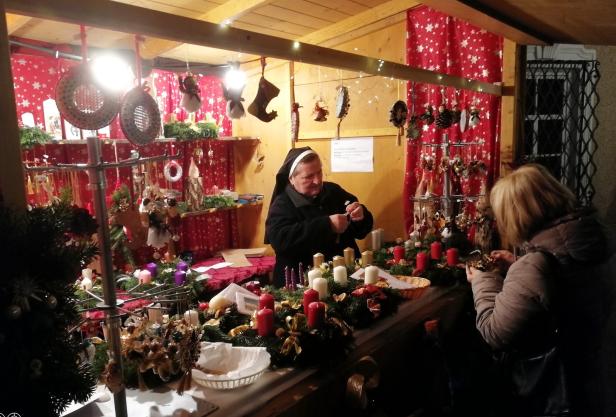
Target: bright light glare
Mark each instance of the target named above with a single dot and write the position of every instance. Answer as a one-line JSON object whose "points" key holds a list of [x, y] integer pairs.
{"points": [[113, 73], [235, 79]]}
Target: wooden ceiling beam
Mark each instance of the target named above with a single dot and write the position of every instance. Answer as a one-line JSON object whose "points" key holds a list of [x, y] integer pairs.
{"points": [[485, 21], [14, 22], [228, 11], [380, 12], [122, 17]]}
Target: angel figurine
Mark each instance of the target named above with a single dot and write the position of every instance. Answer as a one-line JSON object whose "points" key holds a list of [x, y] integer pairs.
{"points": [[190, 93]]}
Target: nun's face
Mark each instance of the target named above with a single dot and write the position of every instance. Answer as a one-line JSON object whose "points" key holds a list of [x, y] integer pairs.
{"points": [[308, 178]]}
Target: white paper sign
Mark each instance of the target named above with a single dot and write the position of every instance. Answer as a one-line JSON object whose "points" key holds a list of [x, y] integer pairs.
{"points": [[352, 155]]}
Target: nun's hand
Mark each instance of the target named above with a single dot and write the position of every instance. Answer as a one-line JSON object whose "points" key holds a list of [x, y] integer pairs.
{"points": [[355, 211], [339, 223]]}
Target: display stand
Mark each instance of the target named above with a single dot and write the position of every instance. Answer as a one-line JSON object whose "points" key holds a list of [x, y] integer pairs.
{"points": [[95, 168]]}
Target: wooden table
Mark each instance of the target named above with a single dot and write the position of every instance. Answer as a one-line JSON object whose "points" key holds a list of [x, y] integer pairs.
{"points": [[303, 392]]}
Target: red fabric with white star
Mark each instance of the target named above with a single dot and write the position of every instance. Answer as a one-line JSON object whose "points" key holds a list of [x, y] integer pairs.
{"points": [[447, 45], [35, 78]]}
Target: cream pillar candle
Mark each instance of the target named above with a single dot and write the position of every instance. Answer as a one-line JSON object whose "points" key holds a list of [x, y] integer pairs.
{"points": [[317, 259], [340, 275], [312, 274], [86, 273], [192, 317], [366, 258], [349, 257], [320, 286], [371, 274], [338, 261], [86, 284], [375, 237]]}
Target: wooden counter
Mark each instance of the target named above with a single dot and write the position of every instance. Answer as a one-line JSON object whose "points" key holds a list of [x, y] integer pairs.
{"points": [[391, 343]]}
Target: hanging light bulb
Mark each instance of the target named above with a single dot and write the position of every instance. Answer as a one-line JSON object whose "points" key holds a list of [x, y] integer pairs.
{"points": [[235, 79], [112, 72]]}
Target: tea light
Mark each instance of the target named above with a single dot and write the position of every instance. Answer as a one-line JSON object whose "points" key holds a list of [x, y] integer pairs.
{"points": [[338, 261], [320, 285], [349, 256], [340, 275], [312, 274], [371, 274], [317, 259], [366, 258]]}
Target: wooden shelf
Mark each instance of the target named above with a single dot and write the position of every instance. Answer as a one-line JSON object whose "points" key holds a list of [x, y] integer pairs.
{"points": [[214, 210], [158, 140]]}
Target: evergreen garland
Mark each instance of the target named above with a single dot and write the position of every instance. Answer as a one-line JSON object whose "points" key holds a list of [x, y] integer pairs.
{"points": [[186, 131], [31, 136], [43, 252]]}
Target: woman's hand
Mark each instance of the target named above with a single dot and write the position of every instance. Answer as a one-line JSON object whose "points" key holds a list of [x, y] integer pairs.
{"points": [[339, 223], [470, 272], [503, 259], [355, 211]]}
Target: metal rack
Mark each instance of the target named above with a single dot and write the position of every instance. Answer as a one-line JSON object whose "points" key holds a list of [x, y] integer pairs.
{"points": [[95, 168]]}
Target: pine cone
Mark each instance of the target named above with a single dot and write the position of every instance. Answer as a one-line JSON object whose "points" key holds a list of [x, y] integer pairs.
{"points": [[428, 116], [444, 118], [412, 129]]}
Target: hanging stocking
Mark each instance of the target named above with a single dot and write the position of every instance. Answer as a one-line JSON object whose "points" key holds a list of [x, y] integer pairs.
{"points": [[266, 92]]}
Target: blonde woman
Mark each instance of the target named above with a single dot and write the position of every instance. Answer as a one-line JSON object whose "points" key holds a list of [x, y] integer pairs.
{"points": [[548, 297]]}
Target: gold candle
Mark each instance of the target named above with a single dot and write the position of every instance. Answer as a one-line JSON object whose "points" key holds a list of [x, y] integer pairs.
{"points": [[366, 258], [317, 260], [349, 257], [338, 261]]}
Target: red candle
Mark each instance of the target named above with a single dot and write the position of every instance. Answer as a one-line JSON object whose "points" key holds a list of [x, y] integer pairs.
{"points": [[265, 321], [398, 253], [421, 261], [266, 301], [452, 257], [316, 314], [310, 296], [436, 250]]}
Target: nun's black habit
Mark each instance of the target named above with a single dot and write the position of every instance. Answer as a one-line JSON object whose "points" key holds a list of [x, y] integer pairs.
{"points": [[297, 226]]}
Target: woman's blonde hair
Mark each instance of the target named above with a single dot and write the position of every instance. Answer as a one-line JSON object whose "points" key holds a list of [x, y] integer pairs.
{"points": [[526, 200]]}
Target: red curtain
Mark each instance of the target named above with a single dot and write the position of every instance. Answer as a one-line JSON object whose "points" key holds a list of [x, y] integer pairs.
{"points": [[447, 45]]}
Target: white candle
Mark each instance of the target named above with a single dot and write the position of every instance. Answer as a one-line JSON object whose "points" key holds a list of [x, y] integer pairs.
{"points": [[338, 261], [312, 274], [86, 273], [86, 284], [192, 317], [320, 286], [340, 275], [371, 275], [375, 236]]}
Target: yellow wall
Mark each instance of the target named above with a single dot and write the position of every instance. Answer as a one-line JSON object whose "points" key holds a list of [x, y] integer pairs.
{"points": [[371, 99]]}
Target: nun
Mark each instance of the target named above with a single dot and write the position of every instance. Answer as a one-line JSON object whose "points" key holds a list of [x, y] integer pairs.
{"points": [[308, 215]]}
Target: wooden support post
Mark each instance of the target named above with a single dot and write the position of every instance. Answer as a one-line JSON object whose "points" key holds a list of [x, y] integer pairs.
{"points": [[11, 169]]}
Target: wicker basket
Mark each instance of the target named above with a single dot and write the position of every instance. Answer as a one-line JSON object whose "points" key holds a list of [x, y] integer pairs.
{"points": [[420, 285]]}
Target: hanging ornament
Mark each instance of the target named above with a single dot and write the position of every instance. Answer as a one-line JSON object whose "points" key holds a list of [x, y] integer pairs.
{"points": [[463, 120], [320, 113], [397, 116], [473, 119], [412, 129], [343, 103], [190, 93], [428, 116], [295, 121], [455, 113], [444, 118], [235, 109], [265, 93], [172, 165]]}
